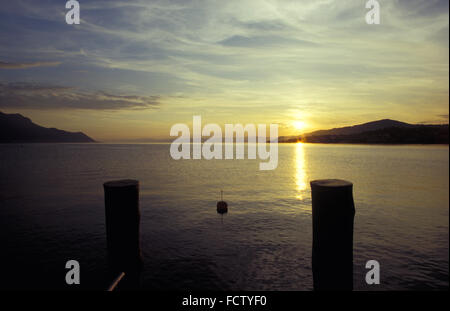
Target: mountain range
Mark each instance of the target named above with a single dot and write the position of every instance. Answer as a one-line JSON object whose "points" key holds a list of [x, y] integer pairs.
{"points": [[15, 128], [384, 131]]}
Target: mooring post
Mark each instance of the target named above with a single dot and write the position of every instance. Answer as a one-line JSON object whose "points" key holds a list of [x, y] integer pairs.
{"points": [[333, 212], [122, 228]]}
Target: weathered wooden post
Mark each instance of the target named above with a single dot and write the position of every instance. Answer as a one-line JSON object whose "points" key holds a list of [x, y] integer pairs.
{"points": [[122, 228], [333, 211]]}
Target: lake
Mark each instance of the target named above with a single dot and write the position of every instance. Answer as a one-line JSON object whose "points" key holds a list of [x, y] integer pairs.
{"points": [[52, 211]]}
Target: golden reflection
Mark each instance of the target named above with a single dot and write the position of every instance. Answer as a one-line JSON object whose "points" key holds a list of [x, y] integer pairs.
{"points": [[300, 173]]}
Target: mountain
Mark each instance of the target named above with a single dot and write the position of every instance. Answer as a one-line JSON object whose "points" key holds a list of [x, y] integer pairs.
{"points": [[366, 127], [378, 132], [15, 128]]}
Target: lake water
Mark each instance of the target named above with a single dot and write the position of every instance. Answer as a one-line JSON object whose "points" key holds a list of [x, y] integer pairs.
{"points": [[52, 210]]}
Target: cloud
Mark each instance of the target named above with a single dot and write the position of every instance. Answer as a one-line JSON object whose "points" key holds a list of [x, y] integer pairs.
{"points": [[235, 53], [421, 9], [263, 41], [5, 65], [35, 96]]}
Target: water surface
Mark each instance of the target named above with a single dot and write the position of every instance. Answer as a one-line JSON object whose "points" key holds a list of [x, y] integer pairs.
{"points": [[52, 210]]}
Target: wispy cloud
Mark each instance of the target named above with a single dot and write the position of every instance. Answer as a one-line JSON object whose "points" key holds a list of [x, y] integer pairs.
{"points": [[5, 65], [35, 96], [264, 41]]}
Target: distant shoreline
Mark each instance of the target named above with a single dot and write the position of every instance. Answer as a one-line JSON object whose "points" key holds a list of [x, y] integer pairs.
{"points": [[168, 143], [17, 129]]}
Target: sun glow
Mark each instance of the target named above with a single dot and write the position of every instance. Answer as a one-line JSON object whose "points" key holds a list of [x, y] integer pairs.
{"points": [[298, 125]]}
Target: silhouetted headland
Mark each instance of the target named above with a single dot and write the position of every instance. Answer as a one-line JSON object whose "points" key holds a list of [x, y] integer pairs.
{"points": [[15, 128], [377, 132]]}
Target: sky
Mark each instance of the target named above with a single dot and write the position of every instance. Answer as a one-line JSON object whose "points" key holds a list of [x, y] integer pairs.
{"points": [[132, 69]]}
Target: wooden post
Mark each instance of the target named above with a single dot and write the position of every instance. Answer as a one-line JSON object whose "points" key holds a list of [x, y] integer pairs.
{"points": [[333, 211], [122, 226]]}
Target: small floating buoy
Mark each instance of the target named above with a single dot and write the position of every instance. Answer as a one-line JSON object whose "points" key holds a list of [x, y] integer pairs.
{"points": [[222, 206]]}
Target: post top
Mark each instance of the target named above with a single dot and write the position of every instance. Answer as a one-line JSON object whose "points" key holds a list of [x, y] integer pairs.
{"points": [[331, 183], [121, 183]]}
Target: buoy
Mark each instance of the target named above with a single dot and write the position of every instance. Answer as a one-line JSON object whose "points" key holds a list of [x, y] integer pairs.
{"points": [[222, 206]]}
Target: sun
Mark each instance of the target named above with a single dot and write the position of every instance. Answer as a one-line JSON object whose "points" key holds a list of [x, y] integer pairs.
{"points": [[299, 125]]}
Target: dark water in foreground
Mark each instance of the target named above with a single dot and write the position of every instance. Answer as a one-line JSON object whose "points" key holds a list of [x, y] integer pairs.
{"points": [[52, 210]]}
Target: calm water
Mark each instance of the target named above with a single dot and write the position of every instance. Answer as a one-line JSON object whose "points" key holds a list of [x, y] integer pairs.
{"points": [[52, 210]]}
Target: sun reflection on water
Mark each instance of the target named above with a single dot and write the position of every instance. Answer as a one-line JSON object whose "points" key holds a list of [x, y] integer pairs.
{"points": [[300, 173]]}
